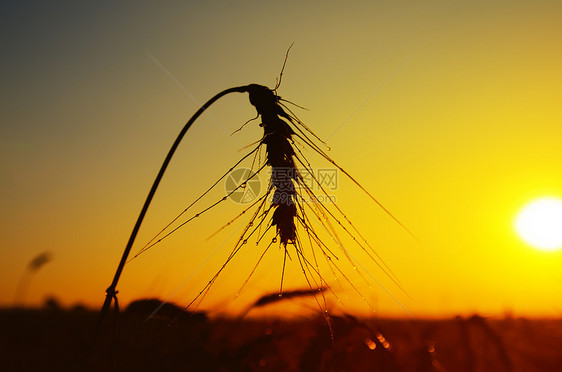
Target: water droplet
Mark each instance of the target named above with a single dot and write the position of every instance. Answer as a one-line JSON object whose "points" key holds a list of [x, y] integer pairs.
{"points": [[274, 240], [329, 148], [243, 185], [244, 241], [250, 224], [370, 344]]}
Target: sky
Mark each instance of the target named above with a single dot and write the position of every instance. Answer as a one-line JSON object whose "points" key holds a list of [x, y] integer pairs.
{"points": [[448, 112]]}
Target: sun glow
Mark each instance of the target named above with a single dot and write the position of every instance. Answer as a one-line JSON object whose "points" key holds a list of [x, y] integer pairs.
{"points": [[539, 224]]}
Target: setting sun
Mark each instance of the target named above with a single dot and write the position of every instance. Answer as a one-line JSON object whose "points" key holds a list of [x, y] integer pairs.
{"points": [[539, 224]]}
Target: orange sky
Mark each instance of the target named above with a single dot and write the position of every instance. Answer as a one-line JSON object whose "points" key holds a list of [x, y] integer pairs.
{"points": [[462, 128]]}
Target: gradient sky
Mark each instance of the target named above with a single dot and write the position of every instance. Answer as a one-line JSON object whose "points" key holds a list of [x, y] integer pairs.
{"points": [[465, 129]]}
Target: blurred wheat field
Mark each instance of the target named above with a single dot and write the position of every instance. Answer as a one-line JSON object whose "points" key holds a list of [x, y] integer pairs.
{"points": [[57, 339]]}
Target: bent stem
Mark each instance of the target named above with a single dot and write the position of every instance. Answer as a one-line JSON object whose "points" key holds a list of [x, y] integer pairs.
{"points": [[111, 292]]}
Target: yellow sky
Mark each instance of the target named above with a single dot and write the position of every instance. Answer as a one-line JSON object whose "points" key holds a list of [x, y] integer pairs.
{"points": [[462, 128]]}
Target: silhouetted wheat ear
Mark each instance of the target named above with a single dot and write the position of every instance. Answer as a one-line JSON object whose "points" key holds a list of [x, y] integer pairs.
{"points": [[285, 212], [277, 137]]}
